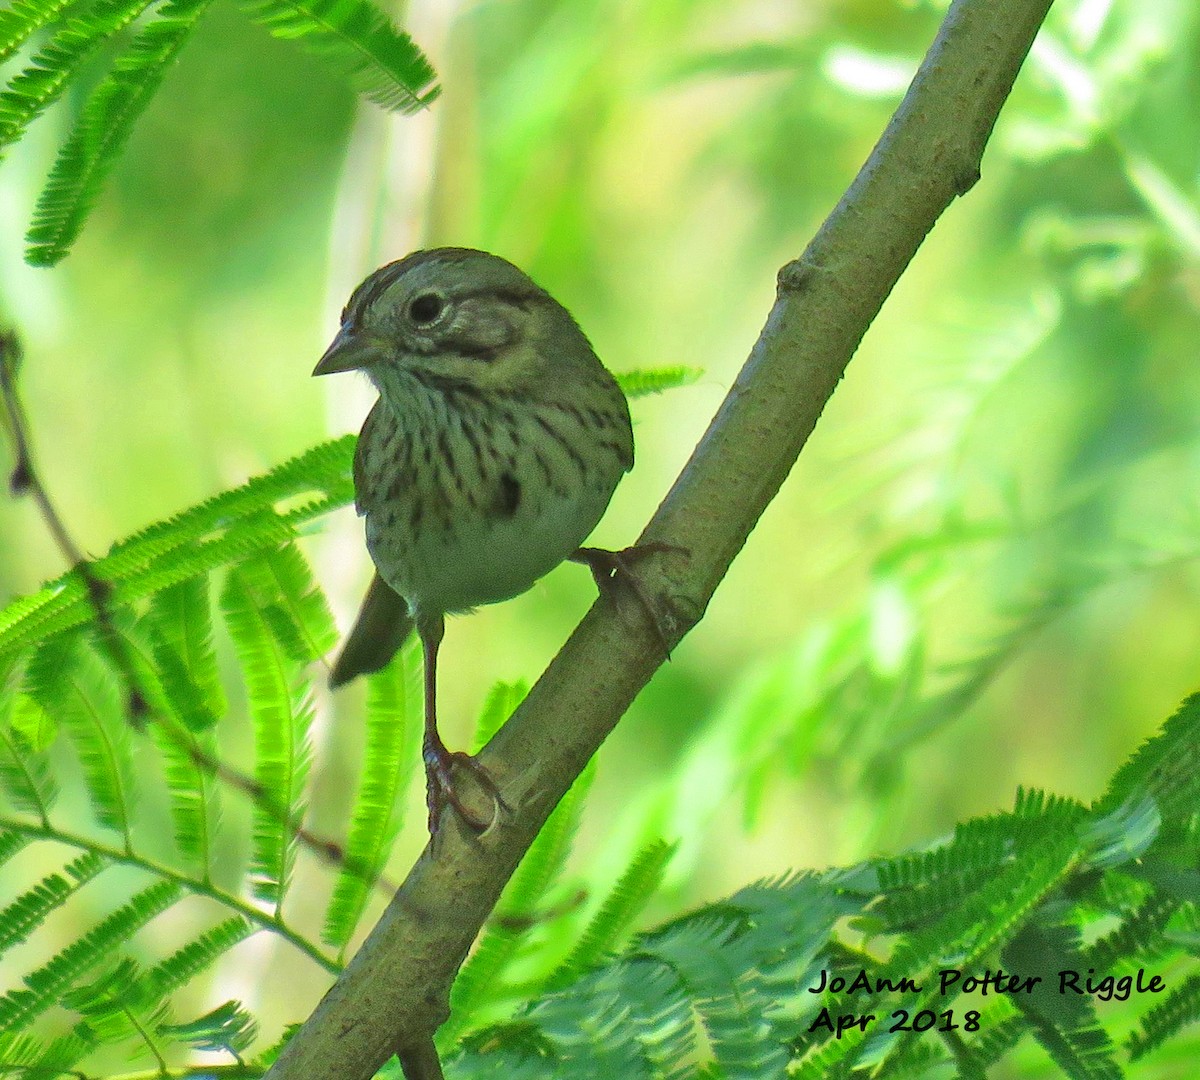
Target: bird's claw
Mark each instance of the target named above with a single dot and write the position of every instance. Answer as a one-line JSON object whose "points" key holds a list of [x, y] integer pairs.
{"points": [[440, 790], [608, 567]]}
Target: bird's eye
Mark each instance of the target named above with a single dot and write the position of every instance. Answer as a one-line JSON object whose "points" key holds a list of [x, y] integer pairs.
{"points": [[425, 308]]}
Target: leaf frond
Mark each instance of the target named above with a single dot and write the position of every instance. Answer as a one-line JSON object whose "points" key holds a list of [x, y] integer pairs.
{"points": [[226, 528], [31, 91], [30, 909], [189, 960], [21, 18], [1180, 1008], [643, 381], [227, 1028], [70, 681], [280, 706], [45, 986], [356, 39], [25, 774], [631, 893], [389, 762], [103, 128]]}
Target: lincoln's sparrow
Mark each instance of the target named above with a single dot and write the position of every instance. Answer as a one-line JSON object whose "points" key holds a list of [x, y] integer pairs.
{"points": [[493, 450]]}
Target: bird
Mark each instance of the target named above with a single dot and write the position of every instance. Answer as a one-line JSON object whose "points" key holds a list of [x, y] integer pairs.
{"points": [[492, 452]]}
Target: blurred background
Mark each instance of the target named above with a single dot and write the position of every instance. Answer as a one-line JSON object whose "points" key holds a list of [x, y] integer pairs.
{"points": [[982, 573]]}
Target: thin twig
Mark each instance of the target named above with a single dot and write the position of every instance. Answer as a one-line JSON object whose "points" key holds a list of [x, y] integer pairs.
{"points": [[25, 480]]}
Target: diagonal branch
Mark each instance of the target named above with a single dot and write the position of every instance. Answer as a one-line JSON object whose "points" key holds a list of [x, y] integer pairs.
{"points": [[394, 993]]}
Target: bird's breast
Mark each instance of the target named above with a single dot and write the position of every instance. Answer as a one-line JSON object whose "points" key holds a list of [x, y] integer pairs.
{"points": [[468, 501]]}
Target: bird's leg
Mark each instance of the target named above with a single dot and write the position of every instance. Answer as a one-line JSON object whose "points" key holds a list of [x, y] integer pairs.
{"points": [[440, 762], [608, 567]]}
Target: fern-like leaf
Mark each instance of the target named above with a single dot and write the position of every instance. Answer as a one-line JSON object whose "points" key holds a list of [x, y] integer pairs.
{"points": [[736, 966], [114, 1008], [1141, 933], [628, 896], [282, 713], [175, 702], [25, 774], [1082, 1053], [226, 1028], [1166, 768], [293, 605], [31, 1059], [645, 381], [186, 962], [46, 985], [21, 18], [103, 128], [1180, 1008], [989, 914], [226, 528], [179, 625], [10, 844], [357, 39], [32, 90], [501, 702], [389, 762], [71, 683], [30, 909]]}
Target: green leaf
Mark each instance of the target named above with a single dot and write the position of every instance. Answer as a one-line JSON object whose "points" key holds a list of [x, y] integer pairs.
{"points": [[32, 724], [498, 706], [70, 682], [281, 709], [189, 960], [25, 773], [1180, 1008], [394, 728], [18, 1008], [1123, 834], [224, 529], [179, 623], [30, 909], [173, 700], [32, 1059], [291, 602], [1166, 768], [104, 127], [41, 83], [356, 39], [10, 844], [633, 890], [20, 18], [228, 1027], [655, 380]]}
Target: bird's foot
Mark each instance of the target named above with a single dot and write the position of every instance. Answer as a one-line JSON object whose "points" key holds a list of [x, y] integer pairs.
{"points": [[609, 567], [440, 790]]}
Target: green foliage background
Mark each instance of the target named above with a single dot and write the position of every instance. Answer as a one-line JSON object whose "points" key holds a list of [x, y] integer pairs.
{"points": [[983, 573]]}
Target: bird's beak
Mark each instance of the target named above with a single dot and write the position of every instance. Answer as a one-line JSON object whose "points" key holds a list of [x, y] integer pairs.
{"points": [[349, 352]]}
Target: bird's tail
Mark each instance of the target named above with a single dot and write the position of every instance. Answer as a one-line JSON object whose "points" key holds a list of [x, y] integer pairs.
{"points": [[383, 625]]}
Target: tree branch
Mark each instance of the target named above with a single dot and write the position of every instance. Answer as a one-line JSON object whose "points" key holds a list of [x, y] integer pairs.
{"points": [[395, 992]]}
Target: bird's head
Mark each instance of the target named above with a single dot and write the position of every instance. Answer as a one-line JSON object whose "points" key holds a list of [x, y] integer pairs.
{"points": [[455, 316]]}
